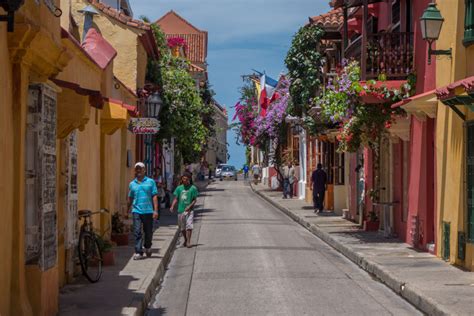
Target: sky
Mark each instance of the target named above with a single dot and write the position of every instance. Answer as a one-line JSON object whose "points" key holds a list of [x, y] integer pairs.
{"points": [[243, 35]]}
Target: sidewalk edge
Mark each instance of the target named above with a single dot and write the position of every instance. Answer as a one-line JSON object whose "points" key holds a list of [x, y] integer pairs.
{"points": [[140, 301], [404, 289]]}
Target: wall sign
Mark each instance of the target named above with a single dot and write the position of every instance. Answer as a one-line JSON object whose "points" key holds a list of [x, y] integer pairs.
{"points": [[144, 126]]}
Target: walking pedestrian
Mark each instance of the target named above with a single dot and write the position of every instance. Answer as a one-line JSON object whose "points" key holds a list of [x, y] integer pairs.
{"points": [[246, 171], [143, 203], [185, 196], [319, 186], [256, 173], [288, 173]]}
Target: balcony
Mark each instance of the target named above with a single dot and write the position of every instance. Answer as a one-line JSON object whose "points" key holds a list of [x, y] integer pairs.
{"points": [[388, 54]]}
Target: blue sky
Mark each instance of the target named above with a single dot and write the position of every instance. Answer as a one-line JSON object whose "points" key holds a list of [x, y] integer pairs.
{"points": [[243, 35]]}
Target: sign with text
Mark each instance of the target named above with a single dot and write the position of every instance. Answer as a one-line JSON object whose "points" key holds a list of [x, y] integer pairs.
{"points": [[144, 126]]}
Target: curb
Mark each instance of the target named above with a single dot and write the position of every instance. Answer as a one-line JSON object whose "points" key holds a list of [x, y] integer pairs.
{"points": [[401, 287], [141, 300]]}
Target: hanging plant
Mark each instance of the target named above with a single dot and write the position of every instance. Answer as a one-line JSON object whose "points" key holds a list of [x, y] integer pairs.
{"points": [[360, 123]]}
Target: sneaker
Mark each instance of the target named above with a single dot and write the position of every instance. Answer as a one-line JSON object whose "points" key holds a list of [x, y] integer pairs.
{"points": [[148, 252], [138, 256]]}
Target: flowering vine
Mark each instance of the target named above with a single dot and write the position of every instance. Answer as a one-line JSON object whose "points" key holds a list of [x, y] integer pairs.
{"points": [[360, 122]]}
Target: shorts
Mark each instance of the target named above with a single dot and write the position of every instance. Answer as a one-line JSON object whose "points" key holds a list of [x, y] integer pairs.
{"points": [[185, 221]]}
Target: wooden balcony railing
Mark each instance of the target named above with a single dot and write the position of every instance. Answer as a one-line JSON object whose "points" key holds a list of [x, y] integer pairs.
{"points": [[389, 54]]}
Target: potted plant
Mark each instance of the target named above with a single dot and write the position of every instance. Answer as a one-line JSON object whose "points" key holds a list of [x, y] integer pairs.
{"points": [[108, 256], [372, 222], [119, 235]]}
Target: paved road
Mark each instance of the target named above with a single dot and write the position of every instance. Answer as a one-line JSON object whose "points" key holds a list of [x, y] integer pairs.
{"points": [[250, 259]]}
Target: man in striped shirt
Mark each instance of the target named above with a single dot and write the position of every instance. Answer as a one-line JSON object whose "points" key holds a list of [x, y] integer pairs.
{"points": [[143, 202]]}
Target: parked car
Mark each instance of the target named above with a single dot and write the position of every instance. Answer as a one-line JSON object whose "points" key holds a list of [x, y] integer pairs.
{"points": [[229, 172], [219, 170]]}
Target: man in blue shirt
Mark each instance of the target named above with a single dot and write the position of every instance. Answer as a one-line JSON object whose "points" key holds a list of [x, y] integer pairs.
{"points": [[143, 202]]}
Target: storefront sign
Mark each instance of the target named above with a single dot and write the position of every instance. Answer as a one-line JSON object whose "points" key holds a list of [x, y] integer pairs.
{"points": [[144, 126]]}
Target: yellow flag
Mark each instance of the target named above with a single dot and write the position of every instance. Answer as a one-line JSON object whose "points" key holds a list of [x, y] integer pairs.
{"points": [[258, 88]]}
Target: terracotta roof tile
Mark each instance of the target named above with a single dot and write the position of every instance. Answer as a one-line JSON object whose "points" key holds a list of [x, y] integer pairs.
{"points": [[196, 51], [196, 46], [125, 19], [448, 91], [332, 19]]}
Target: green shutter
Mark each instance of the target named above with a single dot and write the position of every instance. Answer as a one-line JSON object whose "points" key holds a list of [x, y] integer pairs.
{"points": [[470, 181], [469, 23], [446, 240]]}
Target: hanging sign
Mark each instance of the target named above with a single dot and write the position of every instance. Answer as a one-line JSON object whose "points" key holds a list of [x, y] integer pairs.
{"points": [[144, 126]]}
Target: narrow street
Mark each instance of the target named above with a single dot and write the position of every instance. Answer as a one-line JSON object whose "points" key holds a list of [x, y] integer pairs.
{"points": [[252, 259]]}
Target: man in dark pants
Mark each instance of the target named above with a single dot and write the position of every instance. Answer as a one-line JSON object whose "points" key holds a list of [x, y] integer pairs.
{"points": [[319, 186], [143, 202]]}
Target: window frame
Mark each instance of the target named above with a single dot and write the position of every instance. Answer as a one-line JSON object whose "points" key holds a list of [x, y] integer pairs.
{"points": [[468, 38]]}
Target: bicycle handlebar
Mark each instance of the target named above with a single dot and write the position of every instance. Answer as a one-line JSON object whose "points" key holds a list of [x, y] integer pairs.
{"points": [[87, 213]]}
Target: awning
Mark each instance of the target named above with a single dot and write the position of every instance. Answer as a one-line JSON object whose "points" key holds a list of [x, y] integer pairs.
{"points": [[458, 93], [114, 115], [95, 97], [420, 105]]}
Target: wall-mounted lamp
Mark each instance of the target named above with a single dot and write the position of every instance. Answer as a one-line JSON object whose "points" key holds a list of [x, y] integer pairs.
{"points": [[154, 104], [431, 24], [10, 6]]}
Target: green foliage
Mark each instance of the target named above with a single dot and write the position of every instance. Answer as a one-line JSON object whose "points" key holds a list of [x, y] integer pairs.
{"points": [[185, 115], [304, 63]]}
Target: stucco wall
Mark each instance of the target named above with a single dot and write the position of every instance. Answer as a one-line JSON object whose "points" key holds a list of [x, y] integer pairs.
{"points": [[121, 37], [88, 165], [6, 173], [450, 149]]}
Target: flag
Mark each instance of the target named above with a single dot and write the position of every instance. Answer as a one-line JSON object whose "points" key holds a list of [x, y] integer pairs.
{"points": [[268, 86]]}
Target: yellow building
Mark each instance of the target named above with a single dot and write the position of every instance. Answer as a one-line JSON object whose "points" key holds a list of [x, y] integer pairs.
{"points": [[64, 136], [29, 56], [455, 134]]}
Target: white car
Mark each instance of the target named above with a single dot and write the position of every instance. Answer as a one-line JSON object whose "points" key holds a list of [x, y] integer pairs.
{"points": [[219, 170], [228, 172]]}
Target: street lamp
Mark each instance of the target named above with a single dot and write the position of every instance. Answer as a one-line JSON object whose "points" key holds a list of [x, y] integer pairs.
{"points": [[431, 23], [154, 104], [10, 6]]}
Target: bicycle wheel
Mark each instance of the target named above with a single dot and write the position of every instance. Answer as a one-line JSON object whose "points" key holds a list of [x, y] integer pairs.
{"points": [[90, 256]]}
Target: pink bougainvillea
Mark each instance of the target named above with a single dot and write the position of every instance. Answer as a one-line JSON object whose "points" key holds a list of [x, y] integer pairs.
{"points": [[255, 128], [177, 41]]}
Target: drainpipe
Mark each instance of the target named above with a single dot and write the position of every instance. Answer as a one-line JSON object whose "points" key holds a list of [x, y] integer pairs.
{"points": [[89, 12]]}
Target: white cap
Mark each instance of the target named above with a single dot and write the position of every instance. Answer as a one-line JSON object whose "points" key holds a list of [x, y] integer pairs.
{"points": [[140, 164]]}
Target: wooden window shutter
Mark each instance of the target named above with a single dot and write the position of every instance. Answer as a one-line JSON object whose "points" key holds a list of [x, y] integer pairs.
{"points": [[470, 181]]}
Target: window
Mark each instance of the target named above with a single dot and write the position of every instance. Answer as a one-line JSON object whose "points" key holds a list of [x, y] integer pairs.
{"points": [[469, 23], [470, 181]]}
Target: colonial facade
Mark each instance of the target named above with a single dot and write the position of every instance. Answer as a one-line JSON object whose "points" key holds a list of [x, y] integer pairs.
{"points": [[65, 106]]}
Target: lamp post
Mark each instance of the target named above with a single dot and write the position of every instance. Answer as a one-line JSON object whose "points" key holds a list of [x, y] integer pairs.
{"points": [[154, 104], [431, 24], [10, 6]]}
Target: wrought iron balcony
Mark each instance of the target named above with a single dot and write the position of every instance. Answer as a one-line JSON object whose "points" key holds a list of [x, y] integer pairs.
{"points": [[388, 55]]}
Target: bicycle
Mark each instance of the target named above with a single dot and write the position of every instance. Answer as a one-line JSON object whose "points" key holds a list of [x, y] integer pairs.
{"points": [[89, 251]]}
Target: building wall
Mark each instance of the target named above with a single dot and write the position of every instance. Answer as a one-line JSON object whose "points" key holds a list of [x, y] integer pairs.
{"points": [[88, 165], [6, 172], [122, 38], [450, 149]]}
